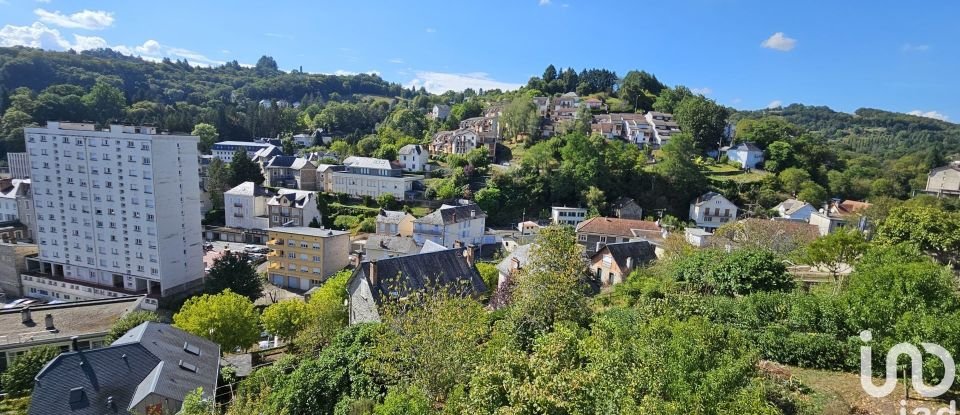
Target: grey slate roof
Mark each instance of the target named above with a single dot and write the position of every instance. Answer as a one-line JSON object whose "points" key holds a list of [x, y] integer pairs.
{"points": [[641, 251], [521, 253], [410, 149], [746, 146], [391, 216], [448, 214], [78, 318], [398, 244], [281, 161], [146, 360], [401, 276], [707, 197]]}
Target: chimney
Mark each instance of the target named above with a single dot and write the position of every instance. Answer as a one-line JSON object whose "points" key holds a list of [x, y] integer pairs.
{"points": [[468, 253], [48, 322], [25, 316], [359, 260], [73, 344], [515, 263], [473, 213], [372, 274]]}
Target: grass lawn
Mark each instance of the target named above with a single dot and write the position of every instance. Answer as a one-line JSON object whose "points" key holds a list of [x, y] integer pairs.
{"points": [[840, 393], [420, 211]]}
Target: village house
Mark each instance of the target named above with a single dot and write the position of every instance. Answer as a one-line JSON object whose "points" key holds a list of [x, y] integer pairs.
{"points": [[386, 246], [712, 210], [840, 215], [450, 225], [454, 142], [291, 172], [439, 112], [245, 206], [746, 154], [615, 261], [528, 227], [596, 232], [513, 263], [627, 208], [487, 129], [413, 157], [366, 176], [562, 215], [293, 208], [16, 206], [393, 223], [663, 126], [944, 181], [794, 209], [376, 282]]}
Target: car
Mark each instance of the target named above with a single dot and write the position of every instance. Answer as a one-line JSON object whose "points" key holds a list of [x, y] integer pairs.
{"points": [[20, 303], [250, 248], [262, 250]]}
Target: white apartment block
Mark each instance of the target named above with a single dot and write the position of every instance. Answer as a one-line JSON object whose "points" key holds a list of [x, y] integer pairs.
{"points": [[19, 165], [245, 206], [224, 150], [562, 215], [118, 211], [364, 176]]}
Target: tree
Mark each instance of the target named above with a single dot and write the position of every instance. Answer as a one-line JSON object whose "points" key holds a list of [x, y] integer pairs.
{"points": [[793, 179], [409, 122], [105, 102], [19, 377], [129, 321], [387, 201], [489, 274], [208, 135], [703, 119], [813, 193], [634, 88], [218, 182], [669, 98], [519, 117], [765, 131], [232, 271], [242, 169], [479, 158], [286, 318], [779, 156], [679, 172], [266, 66], [932, 229], [328, 314], [228, 319], [836, 251], [195, 404], [750, 270], [404, 401], [549, 74]]}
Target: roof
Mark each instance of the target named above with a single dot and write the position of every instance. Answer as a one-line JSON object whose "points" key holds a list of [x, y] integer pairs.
{"points": [[849, 207], [152, 358], [241, 143], [411, 148], [401, 276], [616, 226], [367, 162], [399, 244], [391, 216], [520, 253], [746, 146], [295, 198], [640, 251], [78, 318], [308, 231], [16, 189], [268, 151], [300, 163], [791, 206], [248, 189], [448, 214], [706, 197], [431, 246], [281, 162]]}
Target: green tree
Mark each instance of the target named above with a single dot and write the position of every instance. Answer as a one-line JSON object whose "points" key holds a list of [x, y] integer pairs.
{"points": [[227, 318], [387, 201], [779, 156], [489, 274], [232, 271], [549, 74], [765, 131], [105, 102], [218, 182], [404, 401], [679, 172], [519, 117], [669, 98], [793, 179], [407, 121], [479, 158], [341, 148], [813, 193], [750, 270], [18, 379], [242, 169], [932, 229], [286, 318], [195, 404], [703, 119], [208, 135], [129, 321], [328, 313], [836, 251]]}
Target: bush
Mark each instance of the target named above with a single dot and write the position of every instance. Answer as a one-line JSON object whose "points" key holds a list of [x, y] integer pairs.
{"points": [[18, 379], [812, 350], [346, 222]]}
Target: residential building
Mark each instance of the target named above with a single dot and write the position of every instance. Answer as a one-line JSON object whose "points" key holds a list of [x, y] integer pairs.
{"points": [[455, 142], [593, 103], [386, 246], [245, 206], [450, 225], [263, 155], [303, 140], [513, 263], [596, 232], [840, 214], [528, 227], [627, 208], [118, 211], [712, 210], [225, 150], [25, 328], [615, 261], [19, 165], [365, 176], [290, 172], [637, 130], [487, 128], [394, 223], [293, 208], [697, 237], [439, 112], [377, 282], [794, 209], [746, 154], [942, 180], [13, 254], [413, 157], [149, 370], [663, 126], [562, 215], [16, 205], [303, 257]]}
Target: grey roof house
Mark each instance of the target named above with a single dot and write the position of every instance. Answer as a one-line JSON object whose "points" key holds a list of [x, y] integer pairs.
{"points": [[149, 370]]}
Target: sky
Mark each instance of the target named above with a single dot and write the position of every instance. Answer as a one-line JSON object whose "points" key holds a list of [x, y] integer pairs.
{"points": [[898, 56]]}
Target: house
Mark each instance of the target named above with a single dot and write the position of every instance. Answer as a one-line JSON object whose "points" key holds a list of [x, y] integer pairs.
{"points": [[245, 206], [838, 215], [513, 263], [528, 227], [377, 282], [16, 204], [14, 254], [944, 180], [291, 172], [439, 112], [627, 208], [794, 209], [25, 328], [293, 208], [747, 154], [663, 126], [604, 125], [596, 232], [149, 370], [593, 103], [636, 129], [697, 237], [386, 246], [454, 142], [366, 176], [562, 215], [303, 258], [395, 222], [413, 157], [543, 106], [712, 210], [450, 224], [263, 155], [615, 261], [225, 150]]}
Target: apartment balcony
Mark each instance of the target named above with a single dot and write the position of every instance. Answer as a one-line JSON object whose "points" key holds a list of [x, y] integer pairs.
{"points": [[275, 266], [274, 243], [274, 254]]}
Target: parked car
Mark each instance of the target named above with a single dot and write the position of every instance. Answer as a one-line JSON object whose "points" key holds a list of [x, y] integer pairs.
{"points": [[20, 303], [262, 250], [250, 248]]}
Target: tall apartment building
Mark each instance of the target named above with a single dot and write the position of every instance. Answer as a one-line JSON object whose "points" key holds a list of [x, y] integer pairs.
{"points": [[118, 211], [19, 165], [303, 257]]}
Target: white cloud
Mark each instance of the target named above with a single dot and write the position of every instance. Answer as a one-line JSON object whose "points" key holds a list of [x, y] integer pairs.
{"points": [[85, 19], [908, 47], [39, 35], [544, 2], [278, 35], [343, 72], [155, 51], [929, 114], [42, 1], [702, 91], [736, 101], [440, 82], [775, 104], [397, 61], [431, 30], [779, 41]]}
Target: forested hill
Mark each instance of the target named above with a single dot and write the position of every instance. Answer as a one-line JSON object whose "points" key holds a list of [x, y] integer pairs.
{"points": [[881, 133]]}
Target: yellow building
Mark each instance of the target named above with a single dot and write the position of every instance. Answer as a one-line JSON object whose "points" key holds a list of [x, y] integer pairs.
{"points": [[303, 258]]}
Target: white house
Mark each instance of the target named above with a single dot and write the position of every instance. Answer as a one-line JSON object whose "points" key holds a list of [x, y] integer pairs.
{"points": [[943, 180], [746, 154], [440, 112], [413, 157], [245, 206], [795, 209], [712, 210], [663, 126], [455, 142], [365, 176], [451, 224], [562, 215]]}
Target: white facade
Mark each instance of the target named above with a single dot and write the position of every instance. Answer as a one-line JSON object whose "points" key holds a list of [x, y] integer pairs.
{"points": [[413, 157], [118, 208], [944, 180], [245, 206], [10, 191], [795, 209], [745, 154], [712, 210], [451, 224], [567, 215], [224, 150], [19, 165]]}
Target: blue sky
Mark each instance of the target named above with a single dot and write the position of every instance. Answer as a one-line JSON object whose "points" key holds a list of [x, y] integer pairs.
{"points": [[899, 56]]}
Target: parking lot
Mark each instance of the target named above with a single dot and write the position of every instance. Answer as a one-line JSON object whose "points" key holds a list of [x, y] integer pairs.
{"points": [[219, 247]]}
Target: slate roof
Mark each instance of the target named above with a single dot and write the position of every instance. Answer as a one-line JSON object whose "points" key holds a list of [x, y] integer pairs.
{"points": [[410, 149], [398, 244], [281, 161], [268, 151], [17, 187], [746, 146], [791, 206], [308, 231], [616, 226], [448, 214], [706, 197], [152, 358], [78, 318], [521, 253], [248, 189], [293, 198], [401, 276], [641, 251], [367, 162], [391, 216], [300, 163]]}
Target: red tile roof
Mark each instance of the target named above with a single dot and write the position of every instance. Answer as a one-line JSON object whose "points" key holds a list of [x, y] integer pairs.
{"points": [[616, 226]]}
